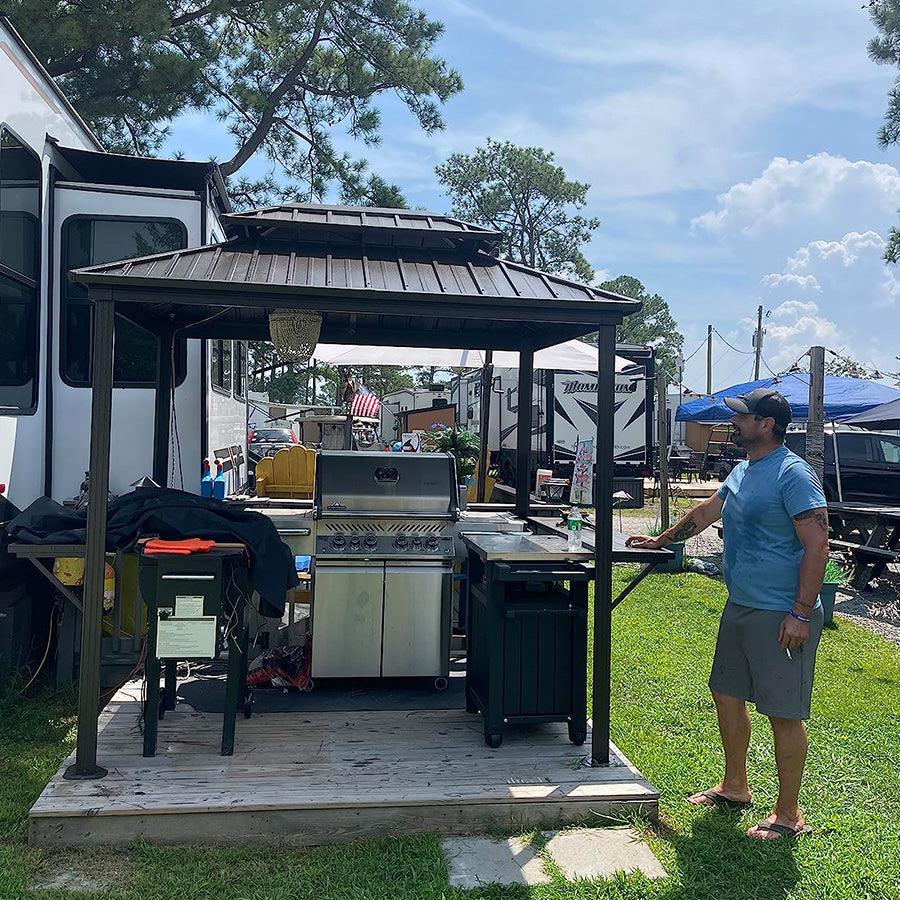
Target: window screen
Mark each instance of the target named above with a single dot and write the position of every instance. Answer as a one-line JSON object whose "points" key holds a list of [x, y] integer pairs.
{"points": [[890, 449], [88, 241], [20, 244], [220, 356], [240, 366]]}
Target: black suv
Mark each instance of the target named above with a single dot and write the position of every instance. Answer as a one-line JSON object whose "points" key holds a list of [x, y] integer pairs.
{"points": [[870, 464]]}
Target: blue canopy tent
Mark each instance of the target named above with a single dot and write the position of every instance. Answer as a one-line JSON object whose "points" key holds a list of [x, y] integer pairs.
{"points": [[844, 398], [885, 416]]}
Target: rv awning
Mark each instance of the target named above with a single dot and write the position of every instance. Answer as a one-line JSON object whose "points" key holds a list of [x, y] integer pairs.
{"points": [[844, 397]]}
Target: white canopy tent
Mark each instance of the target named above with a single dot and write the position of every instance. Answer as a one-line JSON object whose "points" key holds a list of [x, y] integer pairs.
{"points": [[577, 356]]}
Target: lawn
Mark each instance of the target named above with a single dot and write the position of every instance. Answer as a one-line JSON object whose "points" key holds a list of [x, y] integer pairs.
{"points": [[662, 719]]}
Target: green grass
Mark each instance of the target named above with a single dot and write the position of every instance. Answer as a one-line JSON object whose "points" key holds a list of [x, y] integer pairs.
{"points": [[662, 719]]}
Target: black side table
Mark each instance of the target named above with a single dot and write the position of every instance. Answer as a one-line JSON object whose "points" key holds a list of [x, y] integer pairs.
{"points": [[527, 644], [196, 606]]}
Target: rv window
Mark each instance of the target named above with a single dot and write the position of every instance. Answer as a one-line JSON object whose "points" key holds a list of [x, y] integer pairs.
{"points": [[220, 356], [88, 241], [240, 373], [20, 210]]}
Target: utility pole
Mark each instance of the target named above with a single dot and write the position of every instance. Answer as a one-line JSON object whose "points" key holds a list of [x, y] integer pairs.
{"points": [[709, 331], [663, 449], [758, 342], [815, 423]]}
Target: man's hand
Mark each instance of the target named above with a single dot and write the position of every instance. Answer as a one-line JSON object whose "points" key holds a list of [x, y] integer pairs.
{"points": [[644, 542], [792, 633]]}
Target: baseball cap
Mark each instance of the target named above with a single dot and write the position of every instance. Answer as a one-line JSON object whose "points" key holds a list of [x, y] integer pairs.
{"points": [[762, 402]]}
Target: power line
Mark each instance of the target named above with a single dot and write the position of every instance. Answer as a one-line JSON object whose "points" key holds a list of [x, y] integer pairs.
{"points": [[736, 349]]}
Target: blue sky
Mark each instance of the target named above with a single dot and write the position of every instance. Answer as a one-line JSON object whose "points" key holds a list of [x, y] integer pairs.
{"points": [[730, 149]]}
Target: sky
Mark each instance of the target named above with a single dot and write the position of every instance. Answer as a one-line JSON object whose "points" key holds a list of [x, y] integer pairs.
{"points": [[731, 151]]}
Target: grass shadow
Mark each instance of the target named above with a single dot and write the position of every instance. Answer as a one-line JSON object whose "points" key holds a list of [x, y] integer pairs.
{"points": [[716, 859]]}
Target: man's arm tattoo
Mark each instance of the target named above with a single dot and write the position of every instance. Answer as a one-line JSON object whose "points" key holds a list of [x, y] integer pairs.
{"points": [[817, 514], [683, 531]]}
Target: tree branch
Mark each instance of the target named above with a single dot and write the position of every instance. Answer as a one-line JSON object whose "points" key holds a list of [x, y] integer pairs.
{"points": [[258, 135]]}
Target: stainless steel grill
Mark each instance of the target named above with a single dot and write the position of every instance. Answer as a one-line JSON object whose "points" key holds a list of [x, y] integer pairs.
{"points": [[385, 506], [383, 569]]}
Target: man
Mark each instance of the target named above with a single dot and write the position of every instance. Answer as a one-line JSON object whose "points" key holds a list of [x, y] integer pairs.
{"points": [[776, 547]]}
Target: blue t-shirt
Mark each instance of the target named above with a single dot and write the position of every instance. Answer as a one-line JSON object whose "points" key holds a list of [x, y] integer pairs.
{"points": [[762, 551]]}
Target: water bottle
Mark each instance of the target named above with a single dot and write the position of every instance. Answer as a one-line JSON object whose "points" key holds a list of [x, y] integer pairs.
{"points": [[573, 527]]}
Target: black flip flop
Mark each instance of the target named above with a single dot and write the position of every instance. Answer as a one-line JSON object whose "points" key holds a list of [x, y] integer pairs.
{"points": [[720, 800], [783, 831]]}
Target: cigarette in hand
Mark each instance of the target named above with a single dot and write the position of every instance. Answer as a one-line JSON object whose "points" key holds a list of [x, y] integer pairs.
{"points": [[788, 651]]}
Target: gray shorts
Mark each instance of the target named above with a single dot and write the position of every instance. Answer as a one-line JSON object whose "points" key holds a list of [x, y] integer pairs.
{"points": [[750, 664]]}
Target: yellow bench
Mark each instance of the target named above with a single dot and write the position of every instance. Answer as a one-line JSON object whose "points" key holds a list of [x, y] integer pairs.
{"points": [[288, 474]]}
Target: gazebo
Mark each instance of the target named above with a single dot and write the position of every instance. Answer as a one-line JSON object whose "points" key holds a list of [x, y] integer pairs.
{"points": [[385, 277]]}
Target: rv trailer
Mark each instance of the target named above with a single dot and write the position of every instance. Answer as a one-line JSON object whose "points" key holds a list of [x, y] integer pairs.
{"points": [[64, 203]]}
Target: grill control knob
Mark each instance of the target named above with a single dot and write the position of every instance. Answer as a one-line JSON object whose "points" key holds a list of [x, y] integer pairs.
{"points": [[354, 543], [401, 542], [338, 542], [417, 543], [371, 542], [432, 543]]}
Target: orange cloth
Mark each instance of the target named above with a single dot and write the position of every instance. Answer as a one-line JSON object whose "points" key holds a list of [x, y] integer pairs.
{"points": [[178, 548]]}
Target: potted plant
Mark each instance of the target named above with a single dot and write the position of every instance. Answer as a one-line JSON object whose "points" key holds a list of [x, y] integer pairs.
{"points": [[835, 576], [462, 444]]}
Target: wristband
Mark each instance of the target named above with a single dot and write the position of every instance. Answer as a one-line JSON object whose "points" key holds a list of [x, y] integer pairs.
{"points": [[800, 618]]}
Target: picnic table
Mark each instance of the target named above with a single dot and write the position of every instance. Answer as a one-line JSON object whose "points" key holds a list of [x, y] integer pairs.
{"points": [[870, 532], [648, 559]]}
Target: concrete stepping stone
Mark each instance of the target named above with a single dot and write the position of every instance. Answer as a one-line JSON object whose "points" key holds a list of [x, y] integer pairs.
{"points": [[601, 852], [476, 862]]}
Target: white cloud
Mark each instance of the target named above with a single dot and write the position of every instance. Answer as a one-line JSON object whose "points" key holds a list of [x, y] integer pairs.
{"points": [[793, 201]]}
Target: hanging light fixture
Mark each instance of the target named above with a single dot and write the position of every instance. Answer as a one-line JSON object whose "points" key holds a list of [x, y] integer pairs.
{"points": [[295, 333]]}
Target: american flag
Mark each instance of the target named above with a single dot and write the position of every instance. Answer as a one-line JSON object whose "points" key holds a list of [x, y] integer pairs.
{"points": [[365, 403]]}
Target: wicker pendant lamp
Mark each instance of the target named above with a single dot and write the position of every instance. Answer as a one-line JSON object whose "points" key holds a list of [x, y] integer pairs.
{"points": [[295, 333]]}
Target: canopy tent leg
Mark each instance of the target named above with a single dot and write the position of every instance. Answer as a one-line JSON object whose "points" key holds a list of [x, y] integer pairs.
{"points": [[603, 490], [162, 415], [484, 422], [523, 430], [85, 765]]}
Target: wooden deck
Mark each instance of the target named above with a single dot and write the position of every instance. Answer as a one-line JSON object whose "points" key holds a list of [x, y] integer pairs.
{"points": [[315, 777]]}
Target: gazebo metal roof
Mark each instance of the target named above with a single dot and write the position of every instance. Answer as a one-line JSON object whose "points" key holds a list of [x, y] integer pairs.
{"points": [[375, 225], [369, 287]]}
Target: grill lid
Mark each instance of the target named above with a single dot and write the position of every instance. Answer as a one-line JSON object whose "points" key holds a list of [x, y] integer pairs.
{"points": [[353, 482]]}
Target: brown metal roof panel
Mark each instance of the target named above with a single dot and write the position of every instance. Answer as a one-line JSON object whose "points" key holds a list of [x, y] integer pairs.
{"points": [[391, 275], [183, 263], [528, 285], [278, 273], [356, 276], [427, 278]]}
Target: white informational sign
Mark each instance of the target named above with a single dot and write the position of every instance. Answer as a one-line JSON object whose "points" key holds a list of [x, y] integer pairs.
{"points": [[410, 442], [193, 638], [189, 607], [582, 490]]}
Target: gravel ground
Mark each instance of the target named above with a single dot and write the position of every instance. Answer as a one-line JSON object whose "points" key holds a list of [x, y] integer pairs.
{"points": [[877, 609]]}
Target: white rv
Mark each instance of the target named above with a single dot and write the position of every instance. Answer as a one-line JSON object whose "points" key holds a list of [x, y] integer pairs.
{"points": [[565, 410], [65, 202]]}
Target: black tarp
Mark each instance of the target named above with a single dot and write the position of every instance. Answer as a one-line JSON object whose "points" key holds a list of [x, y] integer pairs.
{"points": [[169, 514]]}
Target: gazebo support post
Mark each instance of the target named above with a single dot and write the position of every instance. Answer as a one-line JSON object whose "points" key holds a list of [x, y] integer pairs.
{"points": [[484, 423], [523, 429], [603, 491], [85, 765], [162, 410]]}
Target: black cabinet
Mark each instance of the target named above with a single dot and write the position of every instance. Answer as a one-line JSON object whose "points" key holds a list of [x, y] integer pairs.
{"points": [[527, 645]]}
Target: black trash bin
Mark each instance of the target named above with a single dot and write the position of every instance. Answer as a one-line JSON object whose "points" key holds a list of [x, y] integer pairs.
{"points": [[527, 645]]}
